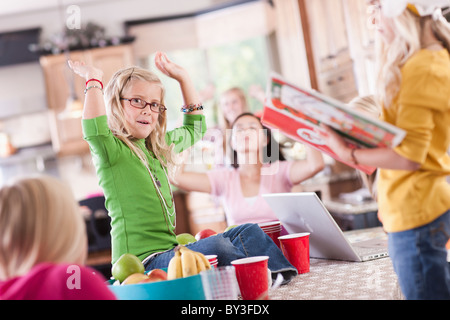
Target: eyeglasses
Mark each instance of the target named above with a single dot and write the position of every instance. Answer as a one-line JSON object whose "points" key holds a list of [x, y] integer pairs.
{"points": [[141, 104]]}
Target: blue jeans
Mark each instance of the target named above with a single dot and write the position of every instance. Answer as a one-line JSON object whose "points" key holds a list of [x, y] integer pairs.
{"points": [[419, 258], [240, 242]]}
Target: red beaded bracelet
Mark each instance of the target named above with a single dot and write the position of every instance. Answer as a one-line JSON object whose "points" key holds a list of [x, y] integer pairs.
{"points": [[101, 83]]}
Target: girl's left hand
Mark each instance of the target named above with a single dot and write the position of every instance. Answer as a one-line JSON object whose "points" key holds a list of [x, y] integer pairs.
{"points": [[85, 71], [169, 68], [336, 143]]}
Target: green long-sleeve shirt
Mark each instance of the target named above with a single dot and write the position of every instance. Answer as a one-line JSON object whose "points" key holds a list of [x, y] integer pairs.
{"points": [[138, 219]]}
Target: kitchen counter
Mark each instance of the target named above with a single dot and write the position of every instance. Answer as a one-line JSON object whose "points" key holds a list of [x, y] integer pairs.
{"points": [[353, 215], [44, 151], [342, 207], [28, 161], [344, 280]]}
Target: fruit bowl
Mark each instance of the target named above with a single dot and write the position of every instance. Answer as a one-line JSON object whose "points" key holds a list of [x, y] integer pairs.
{"points": [[189, 288]]}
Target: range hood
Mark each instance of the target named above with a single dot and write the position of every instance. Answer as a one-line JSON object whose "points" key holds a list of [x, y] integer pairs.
{"points": [[15, 46]]}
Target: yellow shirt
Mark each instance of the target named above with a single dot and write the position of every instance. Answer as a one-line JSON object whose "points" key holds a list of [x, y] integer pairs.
{"points": [[410, 199]]}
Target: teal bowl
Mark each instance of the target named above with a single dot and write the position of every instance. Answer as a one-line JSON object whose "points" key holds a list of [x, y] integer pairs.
{"points": [[189, 288]]}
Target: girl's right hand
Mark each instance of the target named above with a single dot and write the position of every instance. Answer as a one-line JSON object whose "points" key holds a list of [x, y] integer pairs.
{"points": [[169, 68], [85, 71]]}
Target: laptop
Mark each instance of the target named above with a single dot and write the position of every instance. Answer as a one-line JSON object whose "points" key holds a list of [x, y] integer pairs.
{"points": [[304, 212]]}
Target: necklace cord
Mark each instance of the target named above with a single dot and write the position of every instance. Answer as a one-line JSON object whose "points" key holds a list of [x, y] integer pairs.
{"points": [[166, 212]]}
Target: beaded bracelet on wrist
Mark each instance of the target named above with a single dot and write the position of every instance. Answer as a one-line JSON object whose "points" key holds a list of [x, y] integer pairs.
{"points": [[352, 153], [90, 87], [191, 108]]}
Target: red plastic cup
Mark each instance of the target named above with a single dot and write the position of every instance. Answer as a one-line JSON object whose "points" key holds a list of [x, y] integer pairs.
{"points": [[295, 248], [272, 229], [212, 260], [270, 224], [251, 275], [274, 235]]}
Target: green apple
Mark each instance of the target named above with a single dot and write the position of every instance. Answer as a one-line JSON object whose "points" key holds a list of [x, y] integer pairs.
{"points": [[185, 238], [126, 265], [230, 227]]}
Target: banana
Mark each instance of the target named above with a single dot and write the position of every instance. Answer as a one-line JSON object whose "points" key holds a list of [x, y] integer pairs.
{"points": [[174, 270], [200, 264], [188, 262], [205, 261]]}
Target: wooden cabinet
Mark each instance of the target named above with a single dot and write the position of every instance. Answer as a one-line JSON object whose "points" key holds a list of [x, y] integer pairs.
{"points": [[342, 46], [205, 213], [61, 84], [339, 82]]}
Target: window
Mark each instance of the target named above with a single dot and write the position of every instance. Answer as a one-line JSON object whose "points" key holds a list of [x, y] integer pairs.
{"points": [[219, 47], [242, 64]]}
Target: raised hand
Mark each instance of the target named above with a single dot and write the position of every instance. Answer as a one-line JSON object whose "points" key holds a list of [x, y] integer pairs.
{"points": [[257, 92], [94, 105], [169, 68], [85, 71]]}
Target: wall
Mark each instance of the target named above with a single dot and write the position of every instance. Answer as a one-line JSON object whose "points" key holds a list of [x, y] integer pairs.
{"points": [[109, 14], [22, 88]]}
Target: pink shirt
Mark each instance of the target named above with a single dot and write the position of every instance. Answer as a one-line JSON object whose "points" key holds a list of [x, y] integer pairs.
{"points": [[226, 184], [48, 281]]}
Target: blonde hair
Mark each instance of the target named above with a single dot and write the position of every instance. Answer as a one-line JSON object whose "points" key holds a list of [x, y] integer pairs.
{"points": [[408, 29], [367, 104], [223, 122], [155, 142], [40, 221]]}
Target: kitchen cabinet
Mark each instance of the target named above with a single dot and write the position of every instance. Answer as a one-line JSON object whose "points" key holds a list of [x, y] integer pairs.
{"points": [[61, 84], [330, 45], [342, 44], [340, 41], [205, 213]]}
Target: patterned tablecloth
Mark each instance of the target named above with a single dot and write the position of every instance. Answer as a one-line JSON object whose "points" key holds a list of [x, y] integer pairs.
{"points": [[343, 280]]}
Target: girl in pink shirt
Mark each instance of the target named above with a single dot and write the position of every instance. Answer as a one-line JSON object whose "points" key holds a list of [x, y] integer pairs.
{"points": [[44, 245], [241, 187], [226, 184]]}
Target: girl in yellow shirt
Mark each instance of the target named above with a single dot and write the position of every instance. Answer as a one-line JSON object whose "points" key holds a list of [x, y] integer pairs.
{"points": [[413, 194]]}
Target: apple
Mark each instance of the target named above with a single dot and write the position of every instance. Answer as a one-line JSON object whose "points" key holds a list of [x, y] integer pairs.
{"points": [[134, 278], [205, 233], [230, 227], [125, 266], [155, 275], [185, 238]]}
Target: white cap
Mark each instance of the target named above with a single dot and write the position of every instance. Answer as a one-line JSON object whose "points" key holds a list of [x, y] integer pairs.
{"points": [[393, 8]]}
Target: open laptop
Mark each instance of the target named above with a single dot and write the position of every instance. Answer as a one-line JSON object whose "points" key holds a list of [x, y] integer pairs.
{"points": [[304, 212]]}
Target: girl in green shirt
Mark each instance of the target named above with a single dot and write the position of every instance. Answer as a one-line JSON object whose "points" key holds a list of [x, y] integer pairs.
{"points": [[132, 153], [133, 156]]}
